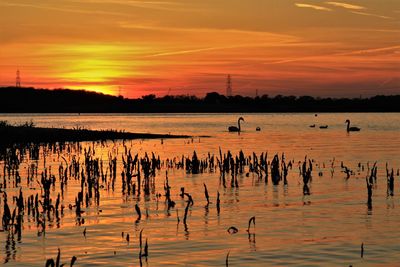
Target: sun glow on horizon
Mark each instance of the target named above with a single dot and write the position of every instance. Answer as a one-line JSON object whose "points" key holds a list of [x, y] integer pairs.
{"points": [[101, 67], [104, 89]]}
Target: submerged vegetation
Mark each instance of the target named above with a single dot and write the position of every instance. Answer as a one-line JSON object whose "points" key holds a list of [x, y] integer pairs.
{"points": [[136, 177], [64, 100]]}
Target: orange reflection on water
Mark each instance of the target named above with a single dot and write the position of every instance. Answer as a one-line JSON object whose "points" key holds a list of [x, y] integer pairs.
{"points": [[327, 226]]}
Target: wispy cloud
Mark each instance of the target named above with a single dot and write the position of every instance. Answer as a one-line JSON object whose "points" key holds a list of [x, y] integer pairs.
{"points": [[129, 25], [346, 5], [315, 7], [389, 49], [356, 9], [239, 38], [62, 9], [191, 51], [371, 15], [155, 5], [372, 50]]}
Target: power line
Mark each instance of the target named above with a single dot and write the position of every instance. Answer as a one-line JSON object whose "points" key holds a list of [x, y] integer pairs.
{"points": [[229, 86], [18, 80]]}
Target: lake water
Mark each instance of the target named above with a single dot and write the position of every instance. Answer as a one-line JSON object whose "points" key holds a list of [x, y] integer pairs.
{"points": [[324, 228]]}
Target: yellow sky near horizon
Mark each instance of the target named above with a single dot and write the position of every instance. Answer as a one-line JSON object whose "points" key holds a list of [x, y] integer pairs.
{"points": [[322, 48]]}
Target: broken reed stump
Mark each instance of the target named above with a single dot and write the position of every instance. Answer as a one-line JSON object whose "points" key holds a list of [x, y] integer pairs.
{"points": [[251, 220], [362, 250], [218, 203], [206, 194], [227, 259], [371, 180], [143, 252], [189, 203], [369, 190], [139, 213]]}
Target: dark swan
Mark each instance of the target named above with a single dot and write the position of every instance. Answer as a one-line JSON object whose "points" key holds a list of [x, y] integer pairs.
{"points": [[351, 129], [234, 128]]}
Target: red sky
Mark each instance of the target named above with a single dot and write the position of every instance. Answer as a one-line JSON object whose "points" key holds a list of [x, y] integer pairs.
{"points": [[321, 48]]}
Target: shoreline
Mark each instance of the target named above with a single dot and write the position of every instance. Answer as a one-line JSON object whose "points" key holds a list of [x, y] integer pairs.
{"points": [[26, 134]]}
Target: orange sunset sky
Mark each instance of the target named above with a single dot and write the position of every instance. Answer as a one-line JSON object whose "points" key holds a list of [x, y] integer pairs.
{"points": [[320, 48]]}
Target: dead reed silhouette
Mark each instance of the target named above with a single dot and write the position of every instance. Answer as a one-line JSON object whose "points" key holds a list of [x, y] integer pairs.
{"points": [[143, 252], [371, 180], [362, 250], [306, 170], [390, 181], [138, 212], [218, 203], [251, 220], [206, 194], [227, 259]]}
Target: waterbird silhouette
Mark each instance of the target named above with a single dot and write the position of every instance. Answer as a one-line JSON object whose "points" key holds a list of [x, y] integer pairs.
{"points": [[232, 230], [353, 128], [258, 128], [234, 128], [323, 127]]}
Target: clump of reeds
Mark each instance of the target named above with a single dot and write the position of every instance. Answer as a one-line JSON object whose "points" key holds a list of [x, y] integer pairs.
{"points": [[57, 263], [390, 181], [371, 180], [306, 171]]}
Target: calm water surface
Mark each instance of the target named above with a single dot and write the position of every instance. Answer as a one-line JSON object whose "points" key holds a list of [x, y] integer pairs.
{"points": [[325, 228]]}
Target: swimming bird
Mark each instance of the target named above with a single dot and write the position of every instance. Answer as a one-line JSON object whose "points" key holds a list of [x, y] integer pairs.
{"points": [[232, 230], [351, 129], [258, 129], [323, 127], [312, 126], [234, 128]]}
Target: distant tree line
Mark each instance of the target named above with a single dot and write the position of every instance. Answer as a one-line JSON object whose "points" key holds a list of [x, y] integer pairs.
{"points": [[26, 100]]}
